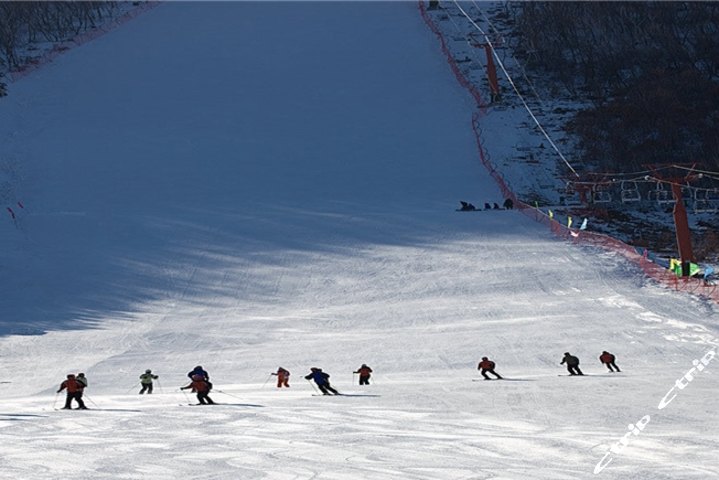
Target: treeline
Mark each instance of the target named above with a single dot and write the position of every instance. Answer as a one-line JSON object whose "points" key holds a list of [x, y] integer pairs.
{"points": [[651, 70], [24, 23]]}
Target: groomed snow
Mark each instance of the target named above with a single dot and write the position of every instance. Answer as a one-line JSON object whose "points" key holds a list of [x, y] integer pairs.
{"points": [[249, 185]]}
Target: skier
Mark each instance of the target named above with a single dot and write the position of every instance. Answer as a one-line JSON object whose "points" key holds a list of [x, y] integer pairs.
{"points": [[572, 364], [198, 370], [74, 392], [146, 381], [486, 365], [608, 359], [202, 387], [508, 204], [322, 380], [364, 373], [283, 377], [82, 380]]}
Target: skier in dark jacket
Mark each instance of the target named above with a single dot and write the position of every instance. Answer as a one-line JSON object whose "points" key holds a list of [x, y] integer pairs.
{"points": [[572, 364], [466, 207], [202, 387], [364, 374], [198, 370], [608, 359], [74, 392], [82, 380], [486, 365], [508, 204], [322, 380]]}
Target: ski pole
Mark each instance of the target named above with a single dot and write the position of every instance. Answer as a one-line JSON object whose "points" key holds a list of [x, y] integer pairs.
{"points": [[160, 385], [185, 394], [268, 379], [313, 385], [57, 394], [228, 394], [90, 399], [353, 378], [132, 388]]}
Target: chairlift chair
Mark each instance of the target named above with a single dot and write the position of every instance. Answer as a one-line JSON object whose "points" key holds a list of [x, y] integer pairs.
{"points": [[630, 192], [702, 203], [600, 194], [661, 195]]}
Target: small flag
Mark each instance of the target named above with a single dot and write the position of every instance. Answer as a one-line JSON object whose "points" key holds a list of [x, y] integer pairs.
{"points": [[569, 222], [584, 225], [551, 214], [708, 272]]}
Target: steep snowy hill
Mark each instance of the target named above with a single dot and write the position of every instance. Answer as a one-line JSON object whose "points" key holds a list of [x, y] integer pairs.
{"points": [[248, 185]]}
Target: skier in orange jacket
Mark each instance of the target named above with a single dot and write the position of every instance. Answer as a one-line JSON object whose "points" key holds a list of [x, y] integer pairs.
{"points": [[202, 387], [283, 377], [364, 374], [74, 392]]}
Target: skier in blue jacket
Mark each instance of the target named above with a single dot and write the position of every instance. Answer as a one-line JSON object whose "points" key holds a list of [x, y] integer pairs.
{"points": [[198, 370], [322, 380]]}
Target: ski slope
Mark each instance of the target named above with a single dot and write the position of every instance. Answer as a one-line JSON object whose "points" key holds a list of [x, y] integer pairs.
{"points": [[249, 185]]}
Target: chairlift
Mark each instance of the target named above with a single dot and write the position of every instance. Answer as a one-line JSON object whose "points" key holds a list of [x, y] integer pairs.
{"points": [[600, 194], [661, 195], [687, 192], [630, 192], [702, 203]]}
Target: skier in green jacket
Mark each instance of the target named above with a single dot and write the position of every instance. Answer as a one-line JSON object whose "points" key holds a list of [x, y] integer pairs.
{"points": [[146, 381]]}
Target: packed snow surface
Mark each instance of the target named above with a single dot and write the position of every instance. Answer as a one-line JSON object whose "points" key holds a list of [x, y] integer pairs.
{"points": [[244, 186]]}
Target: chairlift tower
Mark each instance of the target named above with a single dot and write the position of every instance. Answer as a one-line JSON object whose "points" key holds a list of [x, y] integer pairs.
{"points": [[491, 68], [681, 222]]}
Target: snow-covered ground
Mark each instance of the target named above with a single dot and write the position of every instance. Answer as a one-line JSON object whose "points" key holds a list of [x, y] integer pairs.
{"points": [[247, 185], [531, 142]]}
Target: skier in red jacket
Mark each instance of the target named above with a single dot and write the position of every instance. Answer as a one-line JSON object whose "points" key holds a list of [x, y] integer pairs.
{"points": [[283, 377], [608, 359], [364, 374], [74, 391], [486, 365], [202, 387]]}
